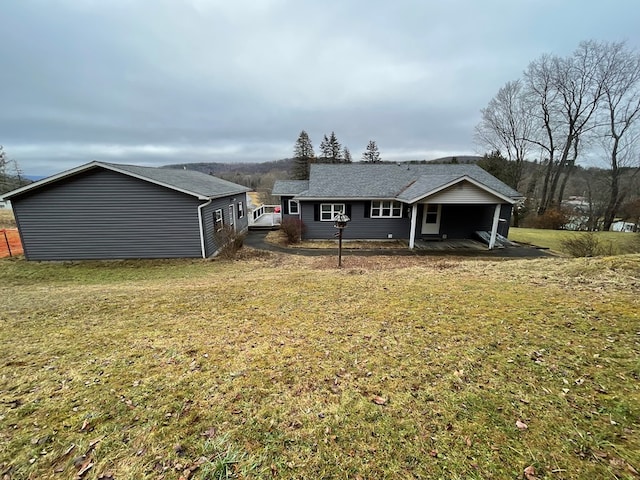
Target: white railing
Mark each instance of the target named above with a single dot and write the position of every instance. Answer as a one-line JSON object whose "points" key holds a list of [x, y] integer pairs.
{"points": [[262, 211]]}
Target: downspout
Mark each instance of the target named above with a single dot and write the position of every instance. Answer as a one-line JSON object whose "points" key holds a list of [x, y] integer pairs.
{"points": [[201, 225]]}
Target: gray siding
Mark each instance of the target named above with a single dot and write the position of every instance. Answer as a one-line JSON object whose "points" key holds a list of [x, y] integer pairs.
{"points": [[359, 226], [102, 214], [208, 212], [457, 221]]}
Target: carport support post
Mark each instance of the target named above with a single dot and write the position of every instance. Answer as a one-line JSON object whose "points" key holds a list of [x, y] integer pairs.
{"points": [[412, 233], [494, 227]]}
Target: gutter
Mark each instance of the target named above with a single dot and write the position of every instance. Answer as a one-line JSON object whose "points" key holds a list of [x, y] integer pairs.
{"points": [[201, 225]]}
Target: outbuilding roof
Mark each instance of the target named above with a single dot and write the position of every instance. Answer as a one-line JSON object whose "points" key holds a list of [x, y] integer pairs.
{"points": [[190, 182], [402, 181]]}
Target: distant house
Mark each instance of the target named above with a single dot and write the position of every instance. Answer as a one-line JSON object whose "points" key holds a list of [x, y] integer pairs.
{"points": [[399, 201], [621, 226], [111, 211]]}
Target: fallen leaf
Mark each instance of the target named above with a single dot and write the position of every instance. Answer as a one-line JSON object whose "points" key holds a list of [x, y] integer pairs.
{"points": [[530, 473], [209, 432], [521, 425], [378, 400]]}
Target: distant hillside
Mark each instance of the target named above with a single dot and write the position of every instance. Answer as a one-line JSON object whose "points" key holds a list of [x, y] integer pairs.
{"points": [[462, 159], [247, 168]]}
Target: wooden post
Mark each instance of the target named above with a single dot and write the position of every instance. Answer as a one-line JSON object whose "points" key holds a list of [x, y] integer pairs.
{"points": [[7, 241], [340, 247]]}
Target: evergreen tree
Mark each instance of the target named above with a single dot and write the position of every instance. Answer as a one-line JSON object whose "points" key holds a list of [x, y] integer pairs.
{"points": [[335, 149], [302, 156], [346, 155], [325, 150], [371, 154]]}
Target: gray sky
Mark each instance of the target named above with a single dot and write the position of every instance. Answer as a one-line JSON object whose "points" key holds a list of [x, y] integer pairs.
{"points": [[154, 82]]}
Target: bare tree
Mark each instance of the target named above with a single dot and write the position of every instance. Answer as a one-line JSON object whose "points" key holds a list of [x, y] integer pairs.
{"points": [[505, 127], [620, 111], [563, 95]]}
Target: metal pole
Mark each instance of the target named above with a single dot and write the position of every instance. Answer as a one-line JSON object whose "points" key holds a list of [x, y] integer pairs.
{"points": [[340, 248], [9, 246]]}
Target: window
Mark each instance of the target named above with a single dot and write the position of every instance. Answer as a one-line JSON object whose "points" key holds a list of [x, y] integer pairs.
{"points": [[240, 210], [232, 214], [328, 211], [218, 220], [385, 209], [294, 207]]}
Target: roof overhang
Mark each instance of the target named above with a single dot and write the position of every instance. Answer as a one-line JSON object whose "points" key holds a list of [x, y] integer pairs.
{"points": [[458, 180]]}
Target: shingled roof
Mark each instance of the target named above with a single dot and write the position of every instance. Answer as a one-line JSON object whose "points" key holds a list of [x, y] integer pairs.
{"points": [[193, 183], [405, 182]]}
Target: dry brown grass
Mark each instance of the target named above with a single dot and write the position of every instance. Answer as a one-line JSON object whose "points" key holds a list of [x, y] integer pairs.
{"points": [[285, 367], [6, 218]]}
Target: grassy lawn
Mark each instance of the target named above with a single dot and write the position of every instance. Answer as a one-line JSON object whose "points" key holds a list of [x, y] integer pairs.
{"points": [[618, 242], [277, 366]]}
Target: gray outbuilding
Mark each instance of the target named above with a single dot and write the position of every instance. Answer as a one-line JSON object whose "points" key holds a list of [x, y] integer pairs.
{"points": [[112, 211]]}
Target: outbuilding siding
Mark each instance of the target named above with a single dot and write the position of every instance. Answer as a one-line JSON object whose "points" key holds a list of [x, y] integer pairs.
{"points": [[101, 214], [208, 212]]}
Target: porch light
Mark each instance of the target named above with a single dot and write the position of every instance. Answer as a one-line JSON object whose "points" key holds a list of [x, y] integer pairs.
{"points": [[340, 222]]}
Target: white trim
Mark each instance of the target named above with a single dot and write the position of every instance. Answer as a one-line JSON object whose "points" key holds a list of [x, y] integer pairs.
{"points": [[215, 219], [412, 232], [201, 226], [240, 210], [334, 212], [470, 180], [291, 201], [232, 214], [494, 227], [380, 207]]}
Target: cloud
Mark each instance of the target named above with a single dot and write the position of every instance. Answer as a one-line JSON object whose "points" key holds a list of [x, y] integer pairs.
{"points": [[213, 80]]}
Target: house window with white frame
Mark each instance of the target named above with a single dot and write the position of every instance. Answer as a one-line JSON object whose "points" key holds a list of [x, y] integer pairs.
{"points": [[386, 209], [294, 207], [240, 209], [328, 211], [218, 220]]}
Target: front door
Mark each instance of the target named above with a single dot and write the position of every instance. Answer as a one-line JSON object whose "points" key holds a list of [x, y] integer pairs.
{"points": [[431, 219]]}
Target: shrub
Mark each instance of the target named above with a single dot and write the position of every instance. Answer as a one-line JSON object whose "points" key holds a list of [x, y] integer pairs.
{"points": [[586, 245], [552, 219], [229, 242], [293, 229]]}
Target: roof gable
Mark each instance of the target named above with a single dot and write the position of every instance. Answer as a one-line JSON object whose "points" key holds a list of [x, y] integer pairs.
{"points": [[189, 182]]}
